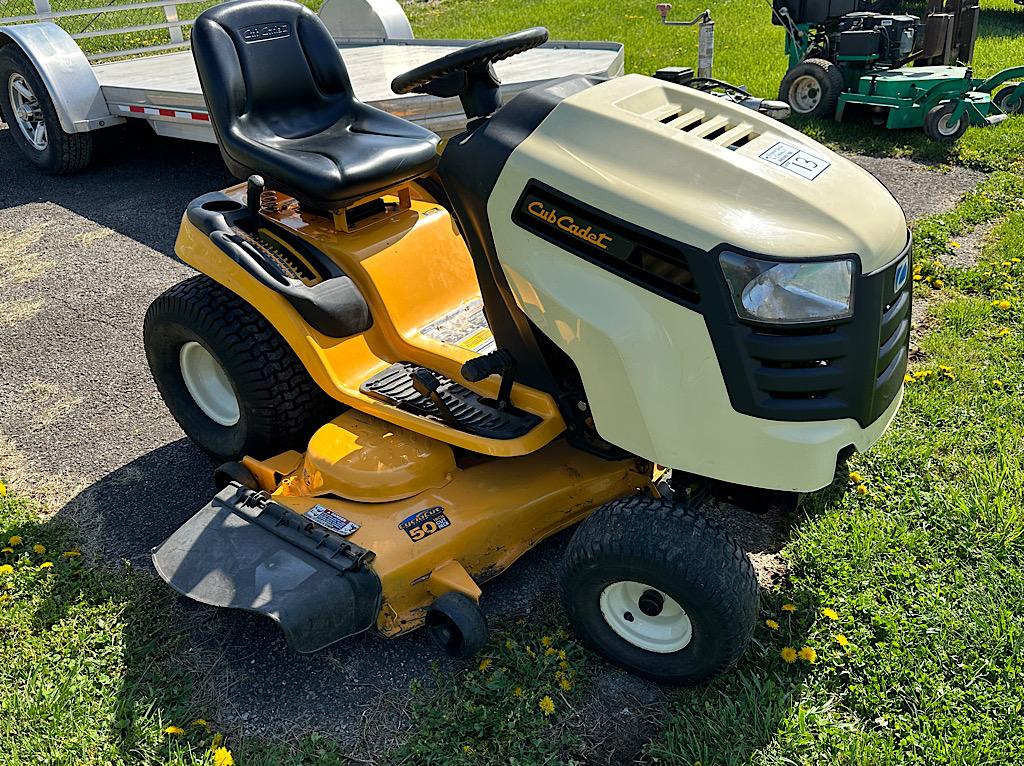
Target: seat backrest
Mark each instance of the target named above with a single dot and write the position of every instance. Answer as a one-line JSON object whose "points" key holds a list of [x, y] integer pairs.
{"points": [[272, 65]]}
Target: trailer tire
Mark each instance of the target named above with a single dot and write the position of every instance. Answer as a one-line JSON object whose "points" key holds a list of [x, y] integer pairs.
{"points": [[812, 88], [231, 381], [937, 125], [52, 151], [659, 590], [1005, 100]]}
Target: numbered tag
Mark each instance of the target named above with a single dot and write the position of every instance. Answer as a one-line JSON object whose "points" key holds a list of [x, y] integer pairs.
{"points": [[425, 523], [795, 160]]}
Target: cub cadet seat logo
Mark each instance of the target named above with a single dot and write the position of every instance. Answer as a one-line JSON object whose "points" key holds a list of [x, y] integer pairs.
{"points": [[568, 224]]}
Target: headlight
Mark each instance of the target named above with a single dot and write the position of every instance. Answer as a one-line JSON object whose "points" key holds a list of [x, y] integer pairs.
{"points": [[787, 293]]}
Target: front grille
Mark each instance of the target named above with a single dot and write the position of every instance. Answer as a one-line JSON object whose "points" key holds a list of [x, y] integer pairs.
{"points": [[847, 369]]}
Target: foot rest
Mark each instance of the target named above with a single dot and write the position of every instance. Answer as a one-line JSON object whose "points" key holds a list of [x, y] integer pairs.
{"points": [[475, 414]]}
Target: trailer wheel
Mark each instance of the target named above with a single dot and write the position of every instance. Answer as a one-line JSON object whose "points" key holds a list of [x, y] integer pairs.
{"points": [[812, 88], [659, 590], [1007, 101], [230, 380], [938, 125], [29, 113]]}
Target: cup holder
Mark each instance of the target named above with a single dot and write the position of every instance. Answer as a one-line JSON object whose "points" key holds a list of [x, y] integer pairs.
{"points": [[222, 206]]}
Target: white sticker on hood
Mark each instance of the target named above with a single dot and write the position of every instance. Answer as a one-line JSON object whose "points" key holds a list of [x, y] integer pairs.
{"points": [[795, 160]]}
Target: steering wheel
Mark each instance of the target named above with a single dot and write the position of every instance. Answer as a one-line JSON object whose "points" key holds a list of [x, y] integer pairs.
{"points": [[469, 72]]}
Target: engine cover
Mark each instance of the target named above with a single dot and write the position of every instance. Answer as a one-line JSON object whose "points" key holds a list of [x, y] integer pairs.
{"points": [[607, 221]]}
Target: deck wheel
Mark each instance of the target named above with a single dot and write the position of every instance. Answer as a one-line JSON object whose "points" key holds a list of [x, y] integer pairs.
{"points": [[457, 624], [939, 125], [812, 88], [1007, 100]]}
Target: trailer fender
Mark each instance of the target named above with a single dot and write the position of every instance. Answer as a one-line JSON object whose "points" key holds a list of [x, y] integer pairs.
{"points": [[66, 72], [366, 20]]}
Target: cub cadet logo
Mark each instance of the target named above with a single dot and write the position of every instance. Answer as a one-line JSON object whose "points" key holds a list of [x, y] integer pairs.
{"points": [[568, 224]]}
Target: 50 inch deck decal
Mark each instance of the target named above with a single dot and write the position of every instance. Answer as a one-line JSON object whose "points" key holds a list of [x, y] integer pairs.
{"points": [[425, 523]]}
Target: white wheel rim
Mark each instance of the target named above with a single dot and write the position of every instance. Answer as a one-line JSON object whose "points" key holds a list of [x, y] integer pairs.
{"points": [[804, 94], [646, 617], [27, 111], [208, 384], [947, 125]]}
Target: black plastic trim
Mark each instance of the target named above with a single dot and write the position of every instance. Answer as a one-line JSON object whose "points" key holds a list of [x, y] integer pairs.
{"points": [[333, 306]]}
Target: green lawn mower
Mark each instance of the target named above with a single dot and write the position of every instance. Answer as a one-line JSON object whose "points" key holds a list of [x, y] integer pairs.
{"points": [[845, 56]]}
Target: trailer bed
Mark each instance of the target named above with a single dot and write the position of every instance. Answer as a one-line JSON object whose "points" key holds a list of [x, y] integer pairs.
{"points": [[165, 89]]}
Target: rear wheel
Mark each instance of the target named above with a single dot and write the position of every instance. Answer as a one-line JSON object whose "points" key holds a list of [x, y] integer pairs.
{"points": [[659, 590], [1007, 100], [228, 378], [812, 88], [939, 125], [29, 113]]}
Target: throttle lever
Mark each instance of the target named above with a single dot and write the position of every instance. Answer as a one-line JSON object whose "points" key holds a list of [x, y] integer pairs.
{"points": [[425, 383]]}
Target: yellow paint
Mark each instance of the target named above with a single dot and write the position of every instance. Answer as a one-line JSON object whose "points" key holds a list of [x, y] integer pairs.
{"points": [[360, 457], [498, 509], [413, 269], [452, 576]]}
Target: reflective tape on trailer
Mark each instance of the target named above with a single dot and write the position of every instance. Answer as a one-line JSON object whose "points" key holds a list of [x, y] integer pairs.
{"points": [[173, 114]]}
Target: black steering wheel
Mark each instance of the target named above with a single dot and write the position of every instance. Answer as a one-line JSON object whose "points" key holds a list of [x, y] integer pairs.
{"points": [[469, 72]]}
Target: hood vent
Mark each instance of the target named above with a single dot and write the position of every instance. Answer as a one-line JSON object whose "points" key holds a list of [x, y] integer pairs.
{"points": [[717, 128]]}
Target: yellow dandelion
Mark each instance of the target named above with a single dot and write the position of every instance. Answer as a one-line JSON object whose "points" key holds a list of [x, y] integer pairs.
{"points": [[830, 613], [7, 550], [954, 244], [3, 489], [38, 548], [908, 378], [174, 731], [918, 277], [546, 705], [772, 624], [564, 665], [6, 569], [789, 607], [201, 723], [1015, 260], [856, 477], [562, 655], [467, 749], [46, 565], [788, 655], [938, 284], [1006, 263], [1003, 332], [518, 691], [861, 489], [565, 683], [549, 651], [222, 757], [546, 641], [485, 664], [71, 554], [997, 383], [842, 640], [809, 655], [508, 643], [14, 541], [1001, 304]]}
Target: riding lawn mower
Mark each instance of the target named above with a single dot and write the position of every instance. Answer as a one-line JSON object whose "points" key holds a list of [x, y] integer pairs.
{"points": [[901, 70], [608, 302]]}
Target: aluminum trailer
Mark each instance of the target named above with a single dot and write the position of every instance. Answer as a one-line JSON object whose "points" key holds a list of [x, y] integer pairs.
{"points": [[158, 83]]}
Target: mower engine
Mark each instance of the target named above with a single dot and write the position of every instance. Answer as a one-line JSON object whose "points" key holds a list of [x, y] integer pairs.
{"points": [[884, 40]]}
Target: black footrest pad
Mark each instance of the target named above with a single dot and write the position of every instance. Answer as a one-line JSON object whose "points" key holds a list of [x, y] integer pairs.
{"points": [[475, 414]]}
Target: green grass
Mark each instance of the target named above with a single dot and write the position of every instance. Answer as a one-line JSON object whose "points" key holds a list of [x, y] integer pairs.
{"points": [[93, 666]]}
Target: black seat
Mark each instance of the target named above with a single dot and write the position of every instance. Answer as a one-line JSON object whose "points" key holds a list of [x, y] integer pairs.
{"points": [[282, 106]]}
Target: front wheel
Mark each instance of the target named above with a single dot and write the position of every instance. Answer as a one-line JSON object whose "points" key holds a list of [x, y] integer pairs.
{"points": [[1007, 100], [659, 590], [939, 125], [27, 109]]}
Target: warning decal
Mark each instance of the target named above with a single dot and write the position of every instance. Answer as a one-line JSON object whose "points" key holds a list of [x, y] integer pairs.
{"points": [[465, 327], [328, 519]]}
